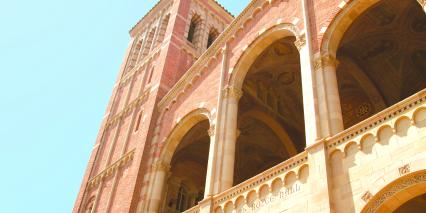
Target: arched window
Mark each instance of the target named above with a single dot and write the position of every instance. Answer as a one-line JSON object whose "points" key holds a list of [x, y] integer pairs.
{"points": [[193, 28], [213, 34], [149, 41], [182, 199], [138, 121], [163, 28], [133, 58]]}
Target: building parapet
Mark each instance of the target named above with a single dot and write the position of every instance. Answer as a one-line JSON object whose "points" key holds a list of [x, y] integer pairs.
{"points": [[373, 125]]}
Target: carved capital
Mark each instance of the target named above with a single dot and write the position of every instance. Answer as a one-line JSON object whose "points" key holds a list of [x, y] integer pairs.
{"points": [[325, 61], [300, 42], [366, 196], [160, 166], [211, 130], [232, 92]]}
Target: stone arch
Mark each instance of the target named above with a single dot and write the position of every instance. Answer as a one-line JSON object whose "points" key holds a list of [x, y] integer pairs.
{"points": [[256, 47], [341, 23], [396, 193], [280, 132], [180, 129]]}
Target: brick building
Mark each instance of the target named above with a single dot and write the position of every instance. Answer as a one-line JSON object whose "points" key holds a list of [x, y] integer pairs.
{"points": [[292, 106]]}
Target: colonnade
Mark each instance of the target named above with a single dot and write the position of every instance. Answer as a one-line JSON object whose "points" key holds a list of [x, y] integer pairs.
{"points": [[321, 106]]}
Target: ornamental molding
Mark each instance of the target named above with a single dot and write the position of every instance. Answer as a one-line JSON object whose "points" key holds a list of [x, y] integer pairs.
{"points": [[211, 130], [112, 169], [160, 166], [300, 42], [325, 61], [398, 186], [232, 92], [129, 108], [197, 69]]}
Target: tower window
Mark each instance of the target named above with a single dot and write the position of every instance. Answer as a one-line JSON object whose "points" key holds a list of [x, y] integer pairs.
{"points": [[138, 122], [213, 34], [193, 28]]}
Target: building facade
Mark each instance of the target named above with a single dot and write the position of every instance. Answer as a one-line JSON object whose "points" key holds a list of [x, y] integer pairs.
{"points": [[292, 106]]}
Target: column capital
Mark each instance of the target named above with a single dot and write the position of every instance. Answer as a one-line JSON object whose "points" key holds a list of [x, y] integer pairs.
{"points": [[211, 130], [232, 92], [326, 60], [300, 42], [160, 166]]}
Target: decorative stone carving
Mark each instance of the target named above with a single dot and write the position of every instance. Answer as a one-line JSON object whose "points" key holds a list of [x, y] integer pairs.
{"points": [[366, 196], [211, 130], [404, 169], [232, 92], [398, 186], [300, 42], [325, 61], [160, 166]]}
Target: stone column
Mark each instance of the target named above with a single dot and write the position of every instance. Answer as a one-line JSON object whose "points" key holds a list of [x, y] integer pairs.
{"points": [[328, 95], [211, 164], [160, 173], [310, 111], [228, 138]]}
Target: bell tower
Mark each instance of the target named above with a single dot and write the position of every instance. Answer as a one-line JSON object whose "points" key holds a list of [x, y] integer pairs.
{"points": [[163, 46]]}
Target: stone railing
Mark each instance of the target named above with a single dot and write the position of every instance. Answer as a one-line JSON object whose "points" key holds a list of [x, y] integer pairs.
{"points": [[276, 183], [391, 121], [195, 209]]}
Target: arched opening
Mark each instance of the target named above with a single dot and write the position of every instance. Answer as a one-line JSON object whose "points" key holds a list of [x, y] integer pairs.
{"points": [[194, 26], [270, 113], [417, 204], [163, 28], [405, 194], [133, 58], [188, 167], [213, 34], [382, 59], [148, 44]]}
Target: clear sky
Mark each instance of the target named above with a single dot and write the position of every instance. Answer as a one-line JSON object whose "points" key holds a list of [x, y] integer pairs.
{"points": [[58, 62]]}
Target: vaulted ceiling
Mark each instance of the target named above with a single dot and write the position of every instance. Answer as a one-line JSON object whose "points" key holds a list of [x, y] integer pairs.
{"points": [[382, 58]]}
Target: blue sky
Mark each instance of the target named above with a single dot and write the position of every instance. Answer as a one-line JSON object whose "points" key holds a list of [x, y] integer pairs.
{"points": [[58, 62]]}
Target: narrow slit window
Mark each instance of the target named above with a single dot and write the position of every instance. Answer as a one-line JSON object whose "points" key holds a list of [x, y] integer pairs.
{"points": [[138, 122], [213, 34]]}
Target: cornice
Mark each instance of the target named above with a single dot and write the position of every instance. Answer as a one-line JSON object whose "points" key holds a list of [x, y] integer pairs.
{"points": [[112, 169], [161, 4], [135, 103], [215, 49]]}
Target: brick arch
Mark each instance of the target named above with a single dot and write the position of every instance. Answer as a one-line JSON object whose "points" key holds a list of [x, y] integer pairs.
{"points": [[396, 193], [179, 131], [341, 23], [256, 47]]}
